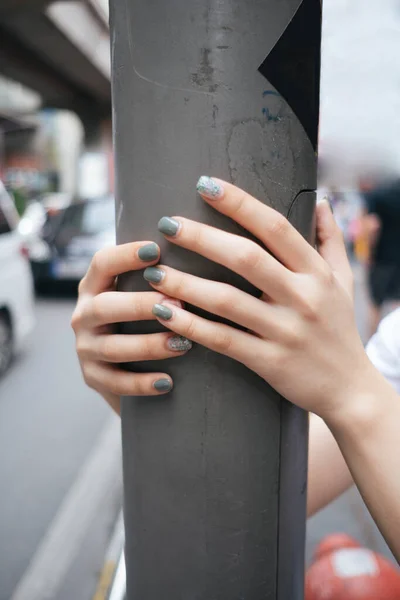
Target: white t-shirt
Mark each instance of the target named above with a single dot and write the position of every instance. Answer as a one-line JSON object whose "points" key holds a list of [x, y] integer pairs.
{"points": [[383, 348]]}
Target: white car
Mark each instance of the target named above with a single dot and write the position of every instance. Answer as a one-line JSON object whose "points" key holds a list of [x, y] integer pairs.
{"points": [[17, 317]]}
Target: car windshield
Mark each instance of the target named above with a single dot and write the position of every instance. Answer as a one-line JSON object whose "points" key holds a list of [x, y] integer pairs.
{"points": [[90, 218]]}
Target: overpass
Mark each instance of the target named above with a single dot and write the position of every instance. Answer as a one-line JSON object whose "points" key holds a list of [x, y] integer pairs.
{"points": [[60, 49]]}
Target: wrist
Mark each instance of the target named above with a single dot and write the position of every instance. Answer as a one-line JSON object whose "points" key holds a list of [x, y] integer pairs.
{"points": [[361, 404]]}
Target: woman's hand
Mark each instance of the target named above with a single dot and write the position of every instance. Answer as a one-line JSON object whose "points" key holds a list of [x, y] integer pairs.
{"points": [[99, 307], [302, 337]]}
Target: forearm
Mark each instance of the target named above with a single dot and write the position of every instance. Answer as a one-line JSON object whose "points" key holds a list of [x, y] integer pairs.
{"points": [[328, 474], [368, 435]]}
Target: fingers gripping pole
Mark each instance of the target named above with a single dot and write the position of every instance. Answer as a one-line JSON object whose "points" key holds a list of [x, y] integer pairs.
{"points": [[215, 472]]}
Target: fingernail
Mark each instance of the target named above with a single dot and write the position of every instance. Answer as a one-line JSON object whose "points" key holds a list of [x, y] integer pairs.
{"points": [[209, 188], [162, 312], [153, 274], [178, 343], [168, 226], [148, 252], [163, 385], [325, 200]]}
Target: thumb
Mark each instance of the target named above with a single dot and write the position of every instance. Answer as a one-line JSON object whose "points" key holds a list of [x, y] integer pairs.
{"points": [[331, 245]]}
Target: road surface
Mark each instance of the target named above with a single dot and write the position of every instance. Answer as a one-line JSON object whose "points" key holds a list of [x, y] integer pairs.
{"points": [[59, 468]]}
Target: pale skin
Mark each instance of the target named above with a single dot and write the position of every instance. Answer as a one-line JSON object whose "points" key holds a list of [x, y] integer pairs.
{"points": [[301, 338]]}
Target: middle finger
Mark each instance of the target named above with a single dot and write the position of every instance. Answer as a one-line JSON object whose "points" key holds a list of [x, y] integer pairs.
{"points": [[243, 256], [217, 298], [120, 307]]}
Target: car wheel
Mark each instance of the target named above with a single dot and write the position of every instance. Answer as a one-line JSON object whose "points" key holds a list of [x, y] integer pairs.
{"points": [[6, 343]]}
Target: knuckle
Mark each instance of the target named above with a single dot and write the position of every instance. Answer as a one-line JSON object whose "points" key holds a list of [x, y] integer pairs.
{"points": [[116, 386], [279, 226], [108, 349], [100, 261], [81, 286], [327, 276], [141, 307], [126, 384], [197, 237], [222, 300], [278, 362], [223, 342], [178, 286], [116, 382], [310, 297], [240, 203], [76, 319], [250, 257], [191, 330], [97, 308], [312, 306], [149, 348], [294, 337], [139, 387], [88, 374], [81, 347]]}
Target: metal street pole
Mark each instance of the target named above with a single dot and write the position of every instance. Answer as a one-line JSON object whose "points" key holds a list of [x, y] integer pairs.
{"points": [[215, 473]]}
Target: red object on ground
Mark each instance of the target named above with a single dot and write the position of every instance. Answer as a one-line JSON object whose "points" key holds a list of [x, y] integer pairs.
{"points": [[349, 572], [334, 542]]}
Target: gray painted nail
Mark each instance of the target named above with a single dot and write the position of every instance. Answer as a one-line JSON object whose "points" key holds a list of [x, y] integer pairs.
{"points": [[208, 187], [153, 274], [163, 385], [178, 343], [162, 312], [148, 252], [168, 226]]}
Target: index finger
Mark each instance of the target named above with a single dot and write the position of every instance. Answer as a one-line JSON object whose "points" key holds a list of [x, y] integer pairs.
{"points": [[112, 261], [265, 223]]}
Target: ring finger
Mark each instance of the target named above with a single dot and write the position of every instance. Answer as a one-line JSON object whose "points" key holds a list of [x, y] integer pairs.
{"points": [[218, 298], [243, 256], [131, 348]]}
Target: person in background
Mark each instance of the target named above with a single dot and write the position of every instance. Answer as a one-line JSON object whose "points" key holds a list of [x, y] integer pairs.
{"points": [[300, 336], [380, 225]]}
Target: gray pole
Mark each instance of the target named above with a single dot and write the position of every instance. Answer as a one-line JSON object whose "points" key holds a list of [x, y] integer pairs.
{"points": [[214, 473]]}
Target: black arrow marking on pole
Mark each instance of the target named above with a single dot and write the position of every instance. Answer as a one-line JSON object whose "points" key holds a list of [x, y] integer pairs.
{"points": [[293, 65]]}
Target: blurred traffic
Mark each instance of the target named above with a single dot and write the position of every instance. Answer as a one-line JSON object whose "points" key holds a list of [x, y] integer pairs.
{"points": [[69, 237], [16, 285]]}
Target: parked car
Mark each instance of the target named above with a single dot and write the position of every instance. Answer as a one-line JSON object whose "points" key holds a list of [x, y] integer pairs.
{"points": [[16, 285], [70, 238], [55, 201], [32, 221]]}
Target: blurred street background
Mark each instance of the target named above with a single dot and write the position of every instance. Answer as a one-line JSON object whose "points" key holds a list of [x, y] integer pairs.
{"points": [[59, 443]]}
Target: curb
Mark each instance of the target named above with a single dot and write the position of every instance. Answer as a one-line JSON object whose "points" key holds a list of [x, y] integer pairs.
{"points": [[112, 581]]}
